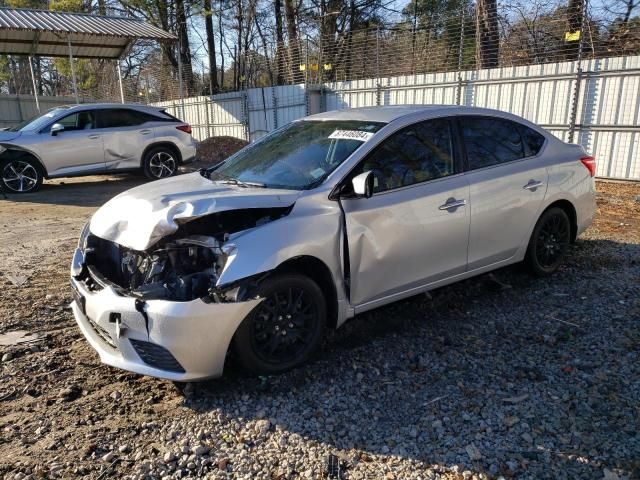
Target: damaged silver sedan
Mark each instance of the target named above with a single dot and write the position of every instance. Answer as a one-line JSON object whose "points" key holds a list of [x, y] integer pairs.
{"points": [[325, 218]]}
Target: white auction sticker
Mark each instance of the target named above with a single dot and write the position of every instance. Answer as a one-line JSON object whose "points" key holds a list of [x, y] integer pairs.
{"points": [[351, 135]]}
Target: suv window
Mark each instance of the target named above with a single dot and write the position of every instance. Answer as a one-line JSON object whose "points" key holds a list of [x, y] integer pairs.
{"points": [[491, 141], [84, 120], [415, 154], [123, 117]]}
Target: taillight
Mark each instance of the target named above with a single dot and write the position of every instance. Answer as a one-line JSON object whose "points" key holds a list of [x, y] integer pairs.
{"points": [[590, 164], [184, 128]]}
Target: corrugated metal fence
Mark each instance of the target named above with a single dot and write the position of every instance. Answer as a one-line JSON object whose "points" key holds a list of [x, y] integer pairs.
{"points": [[17, 108], [605, 94]]}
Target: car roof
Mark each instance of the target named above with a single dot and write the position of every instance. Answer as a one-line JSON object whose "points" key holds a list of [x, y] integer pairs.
{"points": [[388, 114], [94, 106]]}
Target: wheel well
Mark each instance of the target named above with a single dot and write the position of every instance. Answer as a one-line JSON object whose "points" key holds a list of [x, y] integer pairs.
{"points": [[12, 154], [317, 271], [570, 210], [168, 145]]}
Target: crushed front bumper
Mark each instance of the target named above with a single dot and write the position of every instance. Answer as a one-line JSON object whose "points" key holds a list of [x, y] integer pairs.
{"points": [[179, 341]]}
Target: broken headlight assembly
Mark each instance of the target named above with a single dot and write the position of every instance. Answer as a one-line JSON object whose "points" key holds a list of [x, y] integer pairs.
{"points": [[181, 269], [77, 264]]}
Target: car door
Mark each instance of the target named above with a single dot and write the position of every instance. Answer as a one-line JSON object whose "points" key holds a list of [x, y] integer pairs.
{"points": [[414, 229], [76, 149], [126, 133], [507, 187]]}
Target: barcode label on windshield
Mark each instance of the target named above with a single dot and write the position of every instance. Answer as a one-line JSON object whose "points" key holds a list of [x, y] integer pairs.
{"points": [[351, 135]]}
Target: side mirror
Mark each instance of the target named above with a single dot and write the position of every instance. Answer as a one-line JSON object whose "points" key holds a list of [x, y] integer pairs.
{"points": [[363, 184], [56, 128]]}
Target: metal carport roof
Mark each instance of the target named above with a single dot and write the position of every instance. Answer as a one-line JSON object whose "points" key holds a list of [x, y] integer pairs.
{"points": [[47, 33]]}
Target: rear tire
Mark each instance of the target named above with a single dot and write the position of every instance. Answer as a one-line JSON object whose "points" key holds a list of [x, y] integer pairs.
{"points": [[160, 162], [549, 242], [21, 174], [285, 329]]}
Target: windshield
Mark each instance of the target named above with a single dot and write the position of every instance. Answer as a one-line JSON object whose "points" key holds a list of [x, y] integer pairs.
{"points": [[298, 156], [36, 123]]}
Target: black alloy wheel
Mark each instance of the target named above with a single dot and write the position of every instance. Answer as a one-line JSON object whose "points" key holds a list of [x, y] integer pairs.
{"points": [[284, 330], [549, 242]]}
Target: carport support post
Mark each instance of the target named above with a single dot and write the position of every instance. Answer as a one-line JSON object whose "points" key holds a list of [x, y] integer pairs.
{"points": [[120, 80], [73, 70], [33, 82]]}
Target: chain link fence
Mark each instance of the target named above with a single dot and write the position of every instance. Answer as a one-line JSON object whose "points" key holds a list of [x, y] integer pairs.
{"points": [[456, 42]]}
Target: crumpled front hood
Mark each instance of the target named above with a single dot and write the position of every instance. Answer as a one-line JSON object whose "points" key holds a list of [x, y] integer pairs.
{"points": [[140, 217], [6, 136]]}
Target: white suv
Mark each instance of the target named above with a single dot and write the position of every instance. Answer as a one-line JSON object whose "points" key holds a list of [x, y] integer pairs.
{"points": [[92, 139]]}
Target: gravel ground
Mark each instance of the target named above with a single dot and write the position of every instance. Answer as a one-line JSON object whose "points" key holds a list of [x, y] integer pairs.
{"points": [[501, 375]]}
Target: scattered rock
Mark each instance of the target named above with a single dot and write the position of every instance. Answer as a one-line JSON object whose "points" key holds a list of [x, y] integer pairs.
{"points": [[108, 457], [473, 452]]}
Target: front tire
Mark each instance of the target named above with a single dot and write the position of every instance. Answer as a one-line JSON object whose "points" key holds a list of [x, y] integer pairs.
{"points": [[160, 162], [549, 242], [20, 175], [285, 329]]}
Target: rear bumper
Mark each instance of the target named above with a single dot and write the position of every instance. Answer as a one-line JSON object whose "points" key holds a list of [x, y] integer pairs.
{"points": [[188, 160], [194, 336], [188, 152]]}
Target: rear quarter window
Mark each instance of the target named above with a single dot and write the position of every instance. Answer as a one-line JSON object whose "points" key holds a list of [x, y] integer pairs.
{"points": [[491, 141], [533, 141]]}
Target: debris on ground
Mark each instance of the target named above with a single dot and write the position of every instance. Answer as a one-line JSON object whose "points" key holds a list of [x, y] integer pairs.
{"points": [[213, 150]]}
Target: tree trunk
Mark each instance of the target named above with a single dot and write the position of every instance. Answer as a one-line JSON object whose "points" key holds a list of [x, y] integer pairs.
{"points": [[574, 18], [487, 36], [266, 51], [294, 48], [280, 64], [211, 45], [238, 61], [185, 51], [220, 44], [328, 29]]}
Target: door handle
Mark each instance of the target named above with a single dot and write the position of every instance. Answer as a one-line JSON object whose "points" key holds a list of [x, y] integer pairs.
{"points": [[532, 185], [452, 203], [94, 136], [145, 131]]}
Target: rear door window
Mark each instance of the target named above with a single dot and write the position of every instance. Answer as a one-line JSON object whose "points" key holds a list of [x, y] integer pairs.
{"points": [[123, 117], [491, 141]]}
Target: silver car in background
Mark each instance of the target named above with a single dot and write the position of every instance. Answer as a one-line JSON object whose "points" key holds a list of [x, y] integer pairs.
{"points": [[92, 139], [323, 219]]}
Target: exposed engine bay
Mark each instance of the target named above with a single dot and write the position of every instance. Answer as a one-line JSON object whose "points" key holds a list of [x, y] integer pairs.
{"points": [[182, 267]]}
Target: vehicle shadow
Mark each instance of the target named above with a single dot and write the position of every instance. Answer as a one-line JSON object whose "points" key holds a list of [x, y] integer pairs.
{"points": [[504, 374], [90, 191]]}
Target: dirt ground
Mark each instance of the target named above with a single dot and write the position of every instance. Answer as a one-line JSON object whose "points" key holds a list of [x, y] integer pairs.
{"points": [[60, 409]]}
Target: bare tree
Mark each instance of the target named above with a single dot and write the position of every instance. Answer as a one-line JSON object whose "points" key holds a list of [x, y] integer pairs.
{"points": [[211, 48], [294, 46], [487, 35]]}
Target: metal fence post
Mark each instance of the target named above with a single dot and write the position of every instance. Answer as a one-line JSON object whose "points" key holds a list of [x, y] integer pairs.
{"points": [[206, 112], [306, 75], [460, 54], [578, 84], [245, 114], [378, 86], [274, 103]]}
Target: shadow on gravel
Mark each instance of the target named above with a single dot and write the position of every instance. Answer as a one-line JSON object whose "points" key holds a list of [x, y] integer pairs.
{"points": [[86, 192], [503, 373]]}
